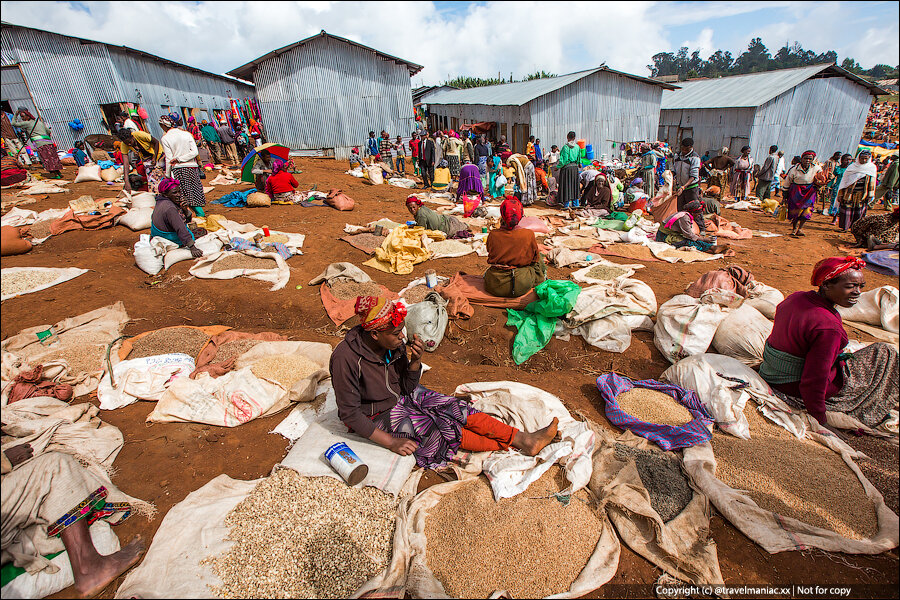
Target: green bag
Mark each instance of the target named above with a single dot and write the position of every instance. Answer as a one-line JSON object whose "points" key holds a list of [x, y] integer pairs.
{"points": [[537, 322]]}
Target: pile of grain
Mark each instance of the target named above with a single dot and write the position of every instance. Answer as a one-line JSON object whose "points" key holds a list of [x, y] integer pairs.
{"points": [[369, 240], [450, 247], [19, 282], [185, 340], [605, 272], [530, 547], [347, 289], [654, 407], [882, 467], [661, 474], [276, 238], [578, 242], [238, 260], [637, 251], [300, 537], [685, 254], [286, 369], [416, 294], [84, 351], [40, 229], [233, 349], [794, 478]]}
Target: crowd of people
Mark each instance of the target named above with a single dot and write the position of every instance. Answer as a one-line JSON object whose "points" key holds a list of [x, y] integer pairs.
{"points": [[882, 123]]}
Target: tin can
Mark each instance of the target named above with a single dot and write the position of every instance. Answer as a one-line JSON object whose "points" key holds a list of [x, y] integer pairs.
{"points": [[430, 278], [346, 463]]}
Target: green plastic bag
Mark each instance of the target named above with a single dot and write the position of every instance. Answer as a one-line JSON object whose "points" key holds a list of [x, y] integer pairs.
{"points": [[537, 322], [609, 224]]}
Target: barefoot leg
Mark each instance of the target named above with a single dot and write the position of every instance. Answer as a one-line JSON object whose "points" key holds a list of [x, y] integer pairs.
{"points": [[534, 442], [92, 571]]}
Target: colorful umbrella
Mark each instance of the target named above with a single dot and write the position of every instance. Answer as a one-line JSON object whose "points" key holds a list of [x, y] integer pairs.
{"points": [[282, 152]]}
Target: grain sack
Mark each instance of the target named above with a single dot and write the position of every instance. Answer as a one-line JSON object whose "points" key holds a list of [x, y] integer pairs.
{"points": [[339, 200], [878, 307], [687, 325], [840, 510], [137, 219], [88, 173], [253, 264], [169, 340], [375, 174], [652, 406], [143, 200], [302, 537], [110, 174], [147, 257], [653, 507], [258, 199], [563, 550], [297, 367], [763, 298], [11, 242], [742, 334]]}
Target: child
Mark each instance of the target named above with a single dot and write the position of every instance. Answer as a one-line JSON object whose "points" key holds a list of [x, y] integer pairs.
{"points": [[401, 155]]}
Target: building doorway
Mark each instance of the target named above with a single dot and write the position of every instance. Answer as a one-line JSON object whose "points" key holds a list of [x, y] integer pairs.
{"points": [[108, 113]]}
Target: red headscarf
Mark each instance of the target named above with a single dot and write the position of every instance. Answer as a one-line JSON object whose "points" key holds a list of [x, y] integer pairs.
{"points": [[809, 153], [414, 200], [829, 268], [167, 184], [511, 212], [379, 314]]}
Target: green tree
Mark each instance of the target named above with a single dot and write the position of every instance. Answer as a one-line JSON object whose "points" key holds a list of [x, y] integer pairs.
{"points": [[755, 59], [539, 75]]}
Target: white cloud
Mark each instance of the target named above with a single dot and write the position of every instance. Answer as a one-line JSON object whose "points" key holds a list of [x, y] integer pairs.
{"points": [[703, 43]]}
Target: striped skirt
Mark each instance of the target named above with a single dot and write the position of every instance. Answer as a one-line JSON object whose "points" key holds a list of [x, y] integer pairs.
{"points": [[191, 186]]}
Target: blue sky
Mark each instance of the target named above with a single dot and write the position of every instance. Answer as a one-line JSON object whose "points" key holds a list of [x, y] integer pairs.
{"points": [[476, 38]]}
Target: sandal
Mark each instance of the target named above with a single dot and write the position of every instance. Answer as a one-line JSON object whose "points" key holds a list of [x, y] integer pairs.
{"points": [[801, 234]]}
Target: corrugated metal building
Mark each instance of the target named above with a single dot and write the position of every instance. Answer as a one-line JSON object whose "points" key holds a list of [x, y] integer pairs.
{"points": [[822, 107], [66, 78], [603, 106], [326, 93]]}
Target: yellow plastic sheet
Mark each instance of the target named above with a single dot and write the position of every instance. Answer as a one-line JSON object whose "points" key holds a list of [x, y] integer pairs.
{"points": [[402, 249]]}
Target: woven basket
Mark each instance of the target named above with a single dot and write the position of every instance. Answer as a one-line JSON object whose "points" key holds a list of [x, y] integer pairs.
{"points": [[257, 199]]}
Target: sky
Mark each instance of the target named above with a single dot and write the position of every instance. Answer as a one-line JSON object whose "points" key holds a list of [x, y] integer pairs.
{"points": [[480, 39]]}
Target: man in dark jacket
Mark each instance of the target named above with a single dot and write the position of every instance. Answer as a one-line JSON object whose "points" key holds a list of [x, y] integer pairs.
{"points": [[426, 160]]}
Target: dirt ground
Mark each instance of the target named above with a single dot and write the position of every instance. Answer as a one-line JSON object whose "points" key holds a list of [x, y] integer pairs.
{"points": [[162, 463]]}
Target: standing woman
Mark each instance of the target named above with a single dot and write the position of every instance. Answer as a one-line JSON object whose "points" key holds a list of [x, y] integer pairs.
{"points": [[832, 190], [181, 163], [800, 185], [496, 170], [857, 187], [39, 134], [740, 180], [568, 172], [148, 148], [482, 153]]}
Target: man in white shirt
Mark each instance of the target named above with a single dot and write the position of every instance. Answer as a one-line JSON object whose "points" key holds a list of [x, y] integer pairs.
{"points": [[181, 163], [126, 122]]}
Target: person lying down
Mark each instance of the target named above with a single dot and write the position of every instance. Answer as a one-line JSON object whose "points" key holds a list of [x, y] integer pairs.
{"points": [[375, 371]]}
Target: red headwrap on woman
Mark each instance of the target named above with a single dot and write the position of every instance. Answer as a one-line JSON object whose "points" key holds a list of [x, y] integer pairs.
{"points": [[809, 153], [379, 314], [414, 200], [511, 212], [167, 184], [829, 268]]}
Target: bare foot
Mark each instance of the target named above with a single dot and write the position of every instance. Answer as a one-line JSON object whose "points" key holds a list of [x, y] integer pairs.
{"points": [[108, 568], [534, 442]]}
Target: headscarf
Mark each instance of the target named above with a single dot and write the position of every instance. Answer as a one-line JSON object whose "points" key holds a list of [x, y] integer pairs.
{"points": [[190, 119], [511, 212], [856, 171], [414, 200], [166, 121], [176, 118], [277, 166], [809, 153], [25, 113], [379, 314], [829, 268], [636, 181], [167, 184]]}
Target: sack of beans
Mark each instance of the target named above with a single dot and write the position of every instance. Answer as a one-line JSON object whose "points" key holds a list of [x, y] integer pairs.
{"points": [[110, 174], [11, 242], [258, 199], [339, 200]]}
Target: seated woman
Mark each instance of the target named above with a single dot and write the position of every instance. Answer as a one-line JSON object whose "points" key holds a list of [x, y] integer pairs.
{"points": [[429, 219], [50, 498], [469, 182], [678, 230], [379, 397], [80, 156], [262, 168], [280, 185], [877, 232], [803, 359], [442, 177], [171, 216], [635, 198], [355, 159], [516, 264], [597, 194]]}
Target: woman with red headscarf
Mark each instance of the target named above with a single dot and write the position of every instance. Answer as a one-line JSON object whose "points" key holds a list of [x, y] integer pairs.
{"points": [[803, 359], [171, 217], [376, 385], [516, 264], [801, 188]]}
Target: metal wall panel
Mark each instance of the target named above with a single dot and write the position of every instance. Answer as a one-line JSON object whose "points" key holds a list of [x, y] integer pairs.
{"points": [[824, 115], [603, 108], [69, 78], [15, 91], [713, 127], [330, 94]]}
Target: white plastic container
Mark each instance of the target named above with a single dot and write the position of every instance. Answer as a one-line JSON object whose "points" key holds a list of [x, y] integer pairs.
{"points": [[346, 463]]}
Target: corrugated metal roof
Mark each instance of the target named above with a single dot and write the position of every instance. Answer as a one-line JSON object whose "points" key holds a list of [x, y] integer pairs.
{"points": [[245, 72], [753, 89], [523, 92]]}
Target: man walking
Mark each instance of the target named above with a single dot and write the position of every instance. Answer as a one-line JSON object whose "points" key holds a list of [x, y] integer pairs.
{"points": [[766, 174], [687, 180], [228, 146]]}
